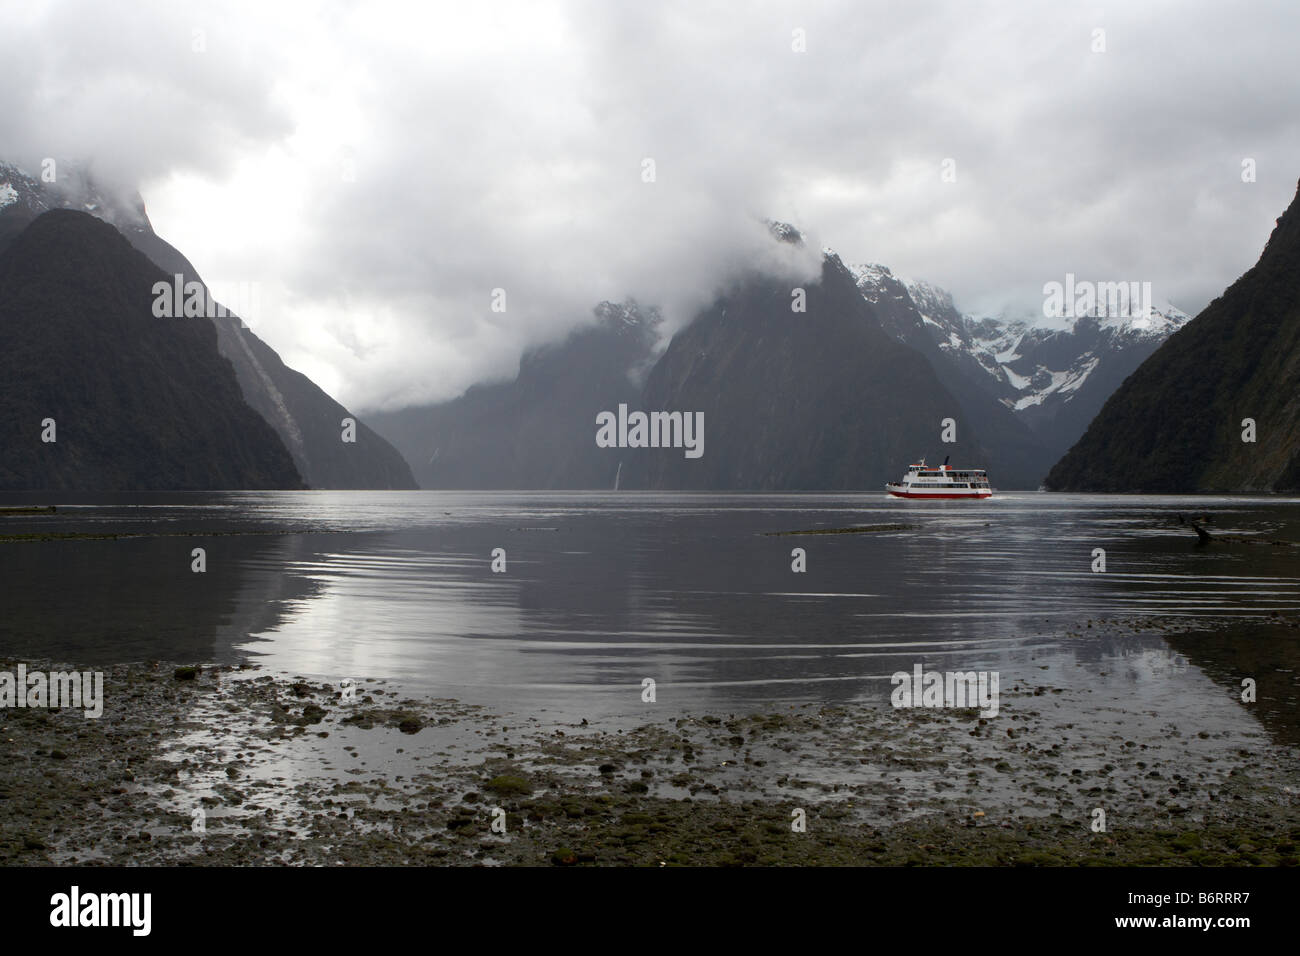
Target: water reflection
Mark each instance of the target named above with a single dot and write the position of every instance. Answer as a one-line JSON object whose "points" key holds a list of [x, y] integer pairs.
{"points": [[133, 599], [601, 591]]}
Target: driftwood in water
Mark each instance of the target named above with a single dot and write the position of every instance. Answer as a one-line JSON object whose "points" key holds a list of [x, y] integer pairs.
{"points": [[862, 529]]}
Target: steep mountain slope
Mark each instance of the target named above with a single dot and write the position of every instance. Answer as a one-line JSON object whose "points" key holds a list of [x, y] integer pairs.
{"points": [[1175, 425], [139, 402], [306, 418], [539, 430], [824, 399]]}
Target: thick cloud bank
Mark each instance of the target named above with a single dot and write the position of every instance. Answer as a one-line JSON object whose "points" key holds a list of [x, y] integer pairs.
{"points": [[381, 169]]}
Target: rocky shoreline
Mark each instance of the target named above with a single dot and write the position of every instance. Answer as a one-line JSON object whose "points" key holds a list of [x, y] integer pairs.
{"points": [[282, 771]]}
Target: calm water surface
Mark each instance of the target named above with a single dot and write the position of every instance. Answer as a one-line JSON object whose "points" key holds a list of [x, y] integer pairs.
{"points": [[602, 590]]}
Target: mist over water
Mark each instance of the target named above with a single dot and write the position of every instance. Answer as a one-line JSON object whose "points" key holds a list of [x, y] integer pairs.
{"points": [[603, 590]]}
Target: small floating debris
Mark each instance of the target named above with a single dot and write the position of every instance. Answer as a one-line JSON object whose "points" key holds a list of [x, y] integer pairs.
{"points": [[29, 510], [1203, 538], [860, 529]]}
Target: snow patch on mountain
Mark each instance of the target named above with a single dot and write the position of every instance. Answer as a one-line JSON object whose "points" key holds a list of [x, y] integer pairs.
{"points": [[74, 188], [1019, 381], [1009, 350], [1030, 360], [1057, 383]]}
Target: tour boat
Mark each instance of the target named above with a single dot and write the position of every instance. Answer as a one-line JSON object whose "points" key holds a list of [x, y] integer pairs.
{"points": [[941, 482]]}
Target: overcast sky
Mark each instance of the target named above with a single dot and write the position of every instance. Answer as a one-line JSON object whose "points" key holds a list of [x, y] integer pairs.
{"points": [[380, 168]]}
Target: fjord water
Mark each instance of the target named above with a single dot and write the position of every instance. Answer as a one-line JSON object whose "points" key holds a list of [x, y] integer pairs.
{"points": [[696, 591]]}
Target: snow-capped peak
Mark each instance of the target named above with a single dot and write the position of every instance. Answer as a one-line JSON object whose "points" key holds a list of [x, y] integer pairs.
{"points": [[1035, 359], [876, 282], [73, 187], [1028, 360]]}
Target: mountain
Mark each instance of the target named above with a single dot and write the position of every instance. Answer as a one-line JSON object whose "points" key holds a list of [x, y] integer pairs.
{"points": [[1051, 377], [539, 429], [819, 400], [307, 420], [1021, 392], [138, 402], [1057, 377], [923, 317], [1176, 423], [23, 198]]}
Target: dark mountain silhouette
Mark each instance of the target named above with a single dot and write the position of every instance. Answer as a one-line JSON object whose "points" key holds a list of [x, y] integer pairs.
{"points": [[822, 399], [138, 402], [1176, 424], [307, 420]]}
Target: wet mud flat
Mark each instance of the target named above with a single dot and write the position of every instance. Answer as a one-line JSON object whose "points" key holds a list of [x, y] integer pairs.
{"points": [[278, 770]]}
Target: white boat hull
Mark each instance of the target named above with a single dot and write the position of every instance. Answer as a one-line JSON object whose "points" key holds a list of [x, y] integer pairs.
{"points": [[901, 491]]}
